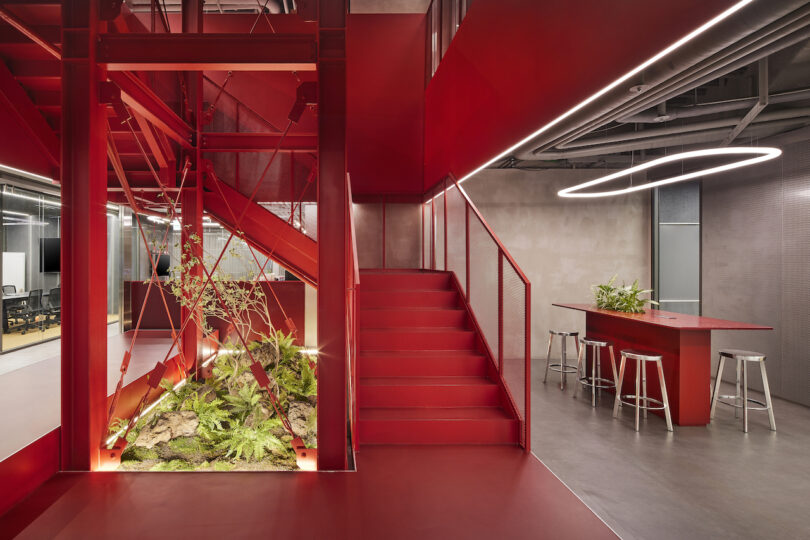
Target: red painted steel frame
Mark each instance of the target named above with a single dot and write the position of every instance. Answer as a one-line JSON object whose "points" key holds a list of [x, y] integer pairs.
{"points": [[215, 52], [83, 227], [332, 195], [258, 142], [20, 103]]}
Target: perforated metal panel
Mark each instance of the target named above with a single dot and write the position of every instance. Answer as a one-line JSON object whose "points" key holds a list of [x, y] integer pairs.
{"points": [[756, 264]]}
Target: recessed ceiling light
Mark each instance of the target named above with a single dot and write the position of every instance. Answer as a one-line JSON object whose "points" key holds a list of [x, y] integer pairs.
{"points": [[762, 154]]}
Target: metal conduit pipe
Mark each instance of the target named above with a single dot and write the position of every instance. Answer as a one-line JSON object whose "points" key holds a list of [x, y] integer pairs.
{"points": [[739, 38], [718, 65], [701, 137], [688, 128], [704, 109], [659, 95]]}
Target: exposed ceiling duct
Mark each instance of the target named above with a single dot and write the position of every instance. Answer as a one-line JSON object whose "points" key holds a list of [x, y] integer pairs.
{"points": [[757, 130], [757, 31], [705, 109]]}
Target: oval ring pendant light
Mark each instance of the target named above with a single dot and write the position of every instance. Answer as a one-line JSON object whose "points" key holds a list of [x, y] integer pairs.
{"points": [[761, 154]]}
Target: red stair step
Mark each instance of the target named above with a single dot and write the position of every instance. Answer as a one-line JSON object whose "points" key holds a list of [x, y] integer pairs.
{"points": [[411, 317], [415, 339], [452, 425], [427, 392], [370, 280], [421, 363], [424, 298]]}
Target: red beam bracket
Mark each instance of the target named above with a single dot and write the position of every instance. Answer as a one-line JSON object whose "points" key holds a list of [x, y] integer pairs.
{"points": [[198, 52]]}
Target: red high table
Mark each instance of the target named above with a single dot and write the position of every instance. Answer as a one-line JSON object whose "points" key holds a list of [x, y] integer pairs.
{"points": [[684, 341]]}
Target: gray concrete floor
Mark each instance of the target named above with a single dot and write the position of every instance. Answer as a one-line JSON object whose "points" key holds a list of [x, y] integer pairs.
{"points": [[698, 482]]}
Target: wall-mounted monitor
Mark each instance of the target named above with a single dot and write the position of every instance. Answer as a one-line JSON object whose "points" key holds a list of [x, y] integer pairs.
{"points": [[49, 255], [163, 263]]}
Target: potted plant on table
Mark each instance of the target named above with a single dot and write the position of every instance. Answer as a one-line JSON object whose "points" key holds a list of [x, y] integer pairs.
{"points": [[626, 298]]}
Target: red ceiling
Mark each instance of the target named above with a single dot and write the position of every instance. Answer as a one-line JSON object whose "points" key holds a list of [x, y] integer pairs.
{"points": [[516, 65]]}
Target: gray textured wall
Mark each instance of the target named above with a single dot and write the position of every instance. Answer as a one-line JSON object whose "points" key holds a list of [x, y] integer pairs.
{"points": [[756, 264], [563, 245], [403, 226]]}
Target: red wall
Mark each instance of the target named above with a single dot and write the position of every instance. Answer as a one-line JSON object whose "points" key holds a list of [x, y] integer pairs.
{"points": [[515, 65], [23, 472], [290, 294], [385, 71]]}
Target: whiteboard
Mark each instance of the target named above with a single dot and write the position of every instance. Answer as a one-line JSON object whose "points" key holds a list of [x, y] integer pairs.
{"points": [[14, 269]]}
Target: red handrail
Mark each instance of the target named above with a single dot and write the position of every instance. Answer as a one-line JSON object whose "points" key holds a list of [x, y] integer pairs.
{"points": [[489, 230], [503, 255], [353, 279]]}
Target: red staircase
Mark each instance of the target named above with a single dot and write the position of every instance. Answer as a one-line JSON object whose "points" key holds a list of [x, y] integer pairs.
{"points": [[268, 233], [423, 375]]}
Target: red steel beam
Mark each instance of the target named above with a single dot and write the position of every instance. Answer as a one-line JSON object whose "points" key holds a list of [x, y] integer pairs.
{"points": [[191, 198], [268, 233], [31, 119], [258, 142], [84, 235], [50, 34], [143, 99], [151, 139], [333, 261], [30, 33], [198, 52]]}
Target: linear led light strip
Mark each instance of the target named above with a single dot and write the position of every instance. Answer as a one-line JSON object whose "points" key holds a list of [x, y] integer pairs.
{"points": [[730, 11], [27, 174], [43, 201], [763, 154]]}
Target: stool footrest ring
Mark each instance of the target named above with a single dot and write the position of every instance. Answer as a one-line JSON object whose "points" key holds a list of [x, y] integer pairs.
{"points": [[557, 368], [600, 382], [625, 400], [762, 407]]}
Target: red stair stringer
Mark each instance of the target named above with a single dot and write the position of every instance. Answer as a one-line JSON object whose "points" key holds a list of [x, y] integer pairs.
{"points": [[269, 234]]}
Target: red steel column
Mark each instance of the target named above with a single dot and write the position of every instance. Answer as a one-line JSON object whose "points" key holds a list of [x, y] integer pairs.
{"points": [[332, 256], [84, 241], [191, 199]]}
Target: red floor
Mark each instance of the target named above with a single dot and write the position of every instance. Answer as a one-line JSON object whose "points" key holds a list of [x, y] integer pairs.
{"points": [[403, 492]]}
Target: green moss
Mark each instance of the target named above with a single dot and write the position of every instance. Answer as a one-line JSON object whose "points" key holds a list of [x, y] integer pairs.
{"points": [[138, 453], [223, 466], [192, 449], [186, 445], [173, 465]]}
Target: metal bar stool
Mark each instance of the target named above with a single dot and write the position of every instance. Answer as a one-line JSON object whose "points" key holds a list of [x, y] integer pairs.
{"points": [[742, 358], [595, 381], [563, 368], [641, 359]]}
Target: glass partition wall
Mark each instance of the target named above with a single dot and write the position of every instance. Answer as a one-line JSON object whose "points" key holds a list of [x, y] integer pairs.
{"points": [[30, 269]]}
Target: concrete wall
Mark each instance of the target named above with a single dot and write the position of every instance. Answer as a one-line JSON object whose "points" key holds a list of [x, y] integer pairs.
{"points": [[563, 245], [403, 226], [756, 265]]}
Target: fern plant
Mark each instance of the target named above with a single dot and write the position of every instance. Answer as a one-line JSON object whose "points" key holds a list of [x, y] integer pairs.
{"points": [[243, 403], [250, 443], [626, 298], [212, 418]]}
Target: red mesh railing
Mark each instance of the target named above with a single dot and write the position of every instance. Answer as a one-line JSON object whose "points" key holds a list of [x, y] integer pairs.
{"points": [[457, 238], [352, 278]]}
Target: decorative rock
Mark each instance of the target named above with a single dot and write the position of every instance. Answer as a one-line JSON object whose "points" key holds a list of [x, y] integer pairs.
{"points": [[298, 414], [169, 425]]}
